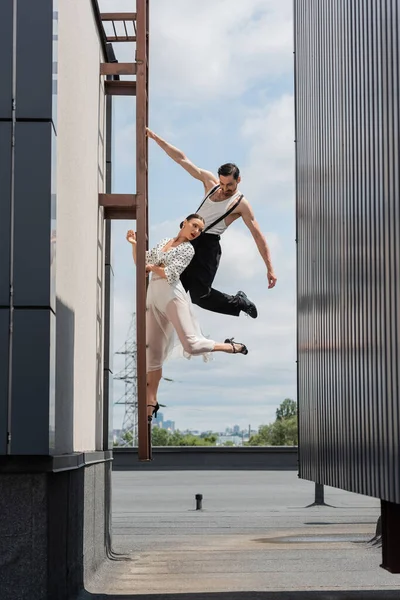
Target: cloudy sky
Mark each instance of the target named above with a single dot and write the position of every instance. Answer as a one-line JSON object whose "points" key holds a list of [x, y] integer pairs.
{"points": [[221, 89]]}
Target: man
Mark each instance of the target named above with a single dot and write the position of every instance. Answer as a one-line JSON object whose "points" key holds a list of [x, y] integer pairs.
{"points": [[222, 205]]}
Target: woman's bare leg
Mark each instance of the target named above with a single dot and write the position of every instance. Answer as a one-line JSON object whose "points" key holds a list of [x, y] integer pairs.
{"points": [[153, 381], [159, 332], [220, 347], [186, 327]]}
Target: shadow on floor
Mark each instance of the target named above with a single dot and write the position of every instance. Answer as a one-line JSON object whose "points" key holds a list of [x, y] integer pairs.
{"points": [[282, 595]]}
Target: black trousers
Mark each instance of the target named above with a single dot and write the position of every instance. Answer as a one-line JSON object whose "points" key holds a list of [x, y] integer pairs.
{"points": [[198, 277]]}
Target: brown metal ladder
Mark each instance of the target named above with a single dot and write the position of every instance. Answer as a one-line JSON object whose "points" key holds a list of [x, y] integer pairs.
{"points": [[134, 206]]}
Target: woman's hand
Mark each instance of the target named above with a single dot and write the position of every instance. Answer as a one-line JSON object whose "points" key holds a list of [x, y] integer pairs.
{"points": [[131, 237], [159, 270]]}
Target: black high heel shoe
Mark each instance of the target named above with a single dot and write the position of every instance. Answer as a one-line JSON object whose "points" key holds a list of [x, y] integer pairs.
{"points": [[243, 349], [156, 408]]}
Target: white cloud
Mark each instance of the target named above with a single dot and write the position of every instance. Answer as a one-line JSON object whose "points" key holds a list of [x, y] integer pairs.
{"points": [[269, 166], [202, 394], [267, 372], [124, 143], [241, 260], [202, 50]]}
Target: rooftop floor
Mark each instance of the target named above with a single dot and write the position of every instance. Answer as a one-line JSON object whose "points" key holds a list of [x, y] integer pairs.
{"points": [[254, 534]]}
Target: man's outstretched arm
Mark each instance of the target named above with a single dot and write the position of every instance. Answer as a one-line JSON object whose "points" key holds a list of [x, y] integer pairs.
{"points": [[206, 177], [249, 218]]}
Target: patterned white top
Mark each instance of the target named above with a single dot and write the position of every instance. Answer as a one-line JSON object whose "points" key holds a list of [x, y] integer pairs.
{"points": [[175, 260]]}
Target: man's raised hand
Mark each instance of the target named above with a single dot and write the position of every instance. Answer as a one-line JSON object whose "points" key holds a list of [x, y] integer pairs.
{"points": [[272, 279], [150, 133]]}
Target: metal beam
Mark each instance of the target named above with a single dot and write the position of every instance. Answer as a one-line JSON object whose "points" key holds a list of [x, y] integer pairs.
{"points": [[118, 16], [118, 200], [118, 206], [118, 69], [144, 442], [120, 88], [121, 38], [125, 213]]}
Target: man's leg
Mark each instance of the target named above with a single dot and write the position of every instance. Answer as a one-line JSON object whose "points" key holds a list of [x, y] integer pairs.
{"points": [[199, 276], [228, 305], [216, 301]]}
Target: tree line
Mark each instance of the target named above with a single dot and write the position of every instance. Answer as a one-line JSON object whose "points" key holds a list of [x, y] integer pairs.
{"points": [[282, 432]]}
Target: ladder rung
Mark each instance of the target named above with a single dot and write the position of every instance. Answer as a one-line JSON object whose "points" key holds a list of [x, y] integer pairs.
{"points": [[120, 88], [118, 200], [121, 38], [118, 16], [118, 68], [120, 213]]}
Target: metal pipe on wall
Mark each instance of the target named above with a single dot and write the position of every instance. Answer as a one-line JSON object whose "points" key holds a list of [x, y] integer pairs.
{"points": [[12, 224], [141, 219]]}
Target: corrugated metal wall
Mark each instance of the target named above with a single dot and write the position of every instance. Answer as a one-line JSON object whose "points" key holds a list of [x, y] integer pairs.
{"points": [[348, 234]]}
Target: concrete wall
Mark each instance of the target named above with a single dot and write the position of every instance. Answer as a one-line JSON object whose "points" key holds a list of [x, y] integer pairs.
{"points": [[209, 458], [27, 172], [55, 531], [52, 105], [54, 497], [80, 229]]}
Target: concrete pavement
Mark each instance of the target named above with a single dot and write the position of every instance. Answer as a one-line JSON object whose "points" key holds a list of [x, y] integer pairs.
{"points": [[254, 537]]}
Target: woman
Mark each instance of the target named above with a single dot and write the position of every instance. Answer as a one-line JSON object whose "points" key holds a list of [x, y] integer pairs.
{"points": [[169, 306]]}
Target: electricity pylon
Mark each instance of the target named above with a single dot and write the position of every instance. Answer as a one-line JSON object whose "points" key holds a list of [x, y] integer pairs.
{"points": [[128, 374]]}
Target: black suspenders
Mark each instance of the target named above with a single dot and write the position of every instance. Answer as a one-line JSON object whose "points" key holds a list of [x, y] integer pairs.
{"points": [[228, 212], [210, 193]]}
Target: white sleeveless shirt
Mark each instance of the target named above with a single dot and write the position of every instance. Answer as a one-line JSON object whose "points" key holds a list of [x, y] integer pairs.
{"points": [[211, 211]]}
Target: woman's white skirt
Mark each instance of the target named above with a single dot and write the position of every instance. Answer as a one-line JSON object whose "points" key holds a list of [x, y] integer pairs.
{"points": [[172, 327]]}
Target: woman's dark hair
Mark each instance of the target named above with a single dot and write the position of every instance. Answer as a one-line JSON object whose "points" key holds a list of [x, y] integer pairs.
{"points": [[229, 169], [191, 217]]}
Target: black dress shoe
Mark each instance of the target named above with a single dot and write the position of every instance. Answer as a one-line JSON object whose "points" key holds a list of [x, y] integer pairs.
{"points": [[247, 305]]}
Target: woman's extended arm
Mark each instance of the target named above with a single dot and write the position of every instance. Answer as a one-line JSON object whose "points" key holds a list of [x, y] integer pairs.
{"points": [[160, 271]]}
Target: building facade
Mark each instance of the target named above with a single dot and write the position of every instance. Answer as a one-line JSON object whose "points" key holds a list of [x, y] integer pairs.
{"points": [[55, 277], [348, 239]]}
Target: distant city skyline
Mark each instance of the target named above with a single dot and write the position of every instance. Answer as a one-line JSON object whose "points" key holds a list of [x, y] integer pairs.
{"points": [[164, 423]]}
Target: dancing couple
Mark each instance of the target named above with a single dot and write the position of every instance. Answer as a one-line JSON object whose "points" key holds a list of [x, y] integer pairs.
{"points": [[187, 264]]}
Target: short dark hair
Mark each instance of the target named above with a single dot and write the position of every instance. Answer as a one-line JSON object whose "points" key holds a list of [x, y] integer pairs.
{"points": [[229, 169], [191, 217]]}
